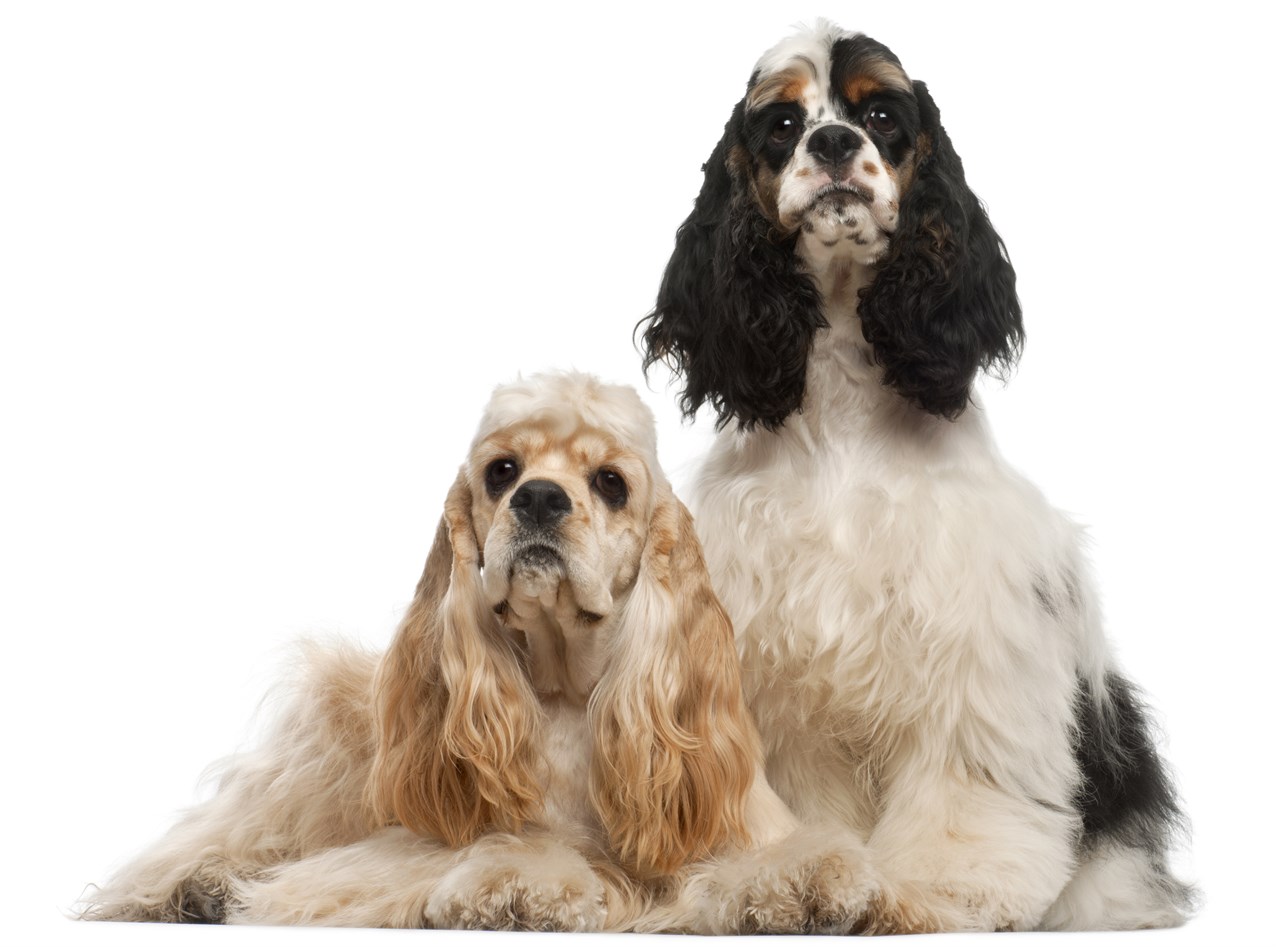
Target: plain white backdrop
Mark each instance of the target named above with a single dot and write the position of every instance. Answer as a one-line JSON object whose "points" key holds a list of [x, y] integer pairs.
{"points": [[260, 264]]}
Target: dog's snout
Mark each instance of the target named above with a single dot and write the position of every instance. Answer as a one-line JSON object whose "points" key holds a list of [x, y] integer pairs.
{"points": [[540, 503], [833, 144]]}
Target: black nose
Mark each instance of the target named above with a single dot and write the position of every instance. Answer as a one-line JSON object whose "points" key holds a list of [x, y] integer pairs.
{"points": [[833, 144], [540, 503]]}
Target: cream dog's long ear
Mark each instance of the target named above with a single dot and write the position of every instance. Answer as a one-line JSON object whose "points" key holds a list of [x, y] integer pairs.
{"points": [[456, 718], [675, 749]]}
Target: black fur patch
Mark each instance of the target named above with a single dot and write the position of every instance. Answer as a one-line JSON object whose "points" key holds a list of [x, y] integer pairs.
{"points": [[1125, 794], [756, 133], [735, 316], [857, 55], [943, 304]]}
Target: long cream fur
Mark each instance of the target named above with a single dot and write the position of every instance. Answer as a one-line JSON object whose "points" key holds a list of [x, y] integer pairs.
{"points": [[550, 742]]}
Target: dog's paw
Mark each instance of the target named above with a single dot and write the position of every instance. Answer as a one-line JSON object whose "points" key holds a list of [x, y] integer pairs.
{"points": [[498, 894], [809, 883], [824, 893]]}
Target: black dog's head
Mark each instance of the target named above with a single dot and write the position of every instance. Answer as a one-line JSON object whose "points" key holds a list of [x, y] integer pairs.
{"points": [[835, 152]]}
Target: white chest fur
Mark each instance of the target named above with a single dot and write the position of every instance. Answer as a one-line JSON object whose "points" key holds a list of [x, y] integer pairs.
{"points": [[873, 560]]}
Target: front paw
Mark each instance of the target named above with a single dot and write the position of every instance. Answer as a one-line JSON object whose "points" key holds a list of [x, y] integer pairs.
{"points": [[508, 897], [805, 884], [823, 894]]}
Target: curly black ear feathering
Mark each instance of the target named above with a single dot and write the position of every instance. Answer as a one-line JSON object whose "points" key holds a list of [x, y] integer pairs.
{"points": [[942, 305], [738, 310], [837, 245], [735, 315]]}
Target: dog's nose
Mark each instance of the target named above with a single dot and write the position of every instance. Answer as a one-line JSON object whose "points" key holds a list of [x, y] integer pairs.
{"points": [[833, 144], [540, 503]]}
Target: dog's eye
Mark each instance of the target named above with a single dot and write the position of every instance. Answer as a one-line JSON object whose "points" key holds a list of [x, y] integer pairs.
{"points": [[500, 474], [783, 130], [880, 120], [611, 487]]}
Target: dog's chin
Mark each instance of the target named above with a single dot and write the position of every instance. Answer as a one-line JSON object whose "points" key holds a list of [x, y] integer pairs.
{"points": [[536, 559], [534, 572], [831, 208], [524, 577], [842, 226]]}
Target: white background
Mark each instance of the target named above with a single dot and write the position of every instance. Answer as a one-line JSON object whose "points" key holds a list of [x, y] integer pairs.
{"points": [[260, 264]]}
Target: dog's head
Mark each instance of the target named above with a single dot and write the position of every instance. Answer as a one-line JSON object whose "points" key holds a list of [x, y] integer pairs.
{"points": [[833, 158], [563, 479], [565, 568]]}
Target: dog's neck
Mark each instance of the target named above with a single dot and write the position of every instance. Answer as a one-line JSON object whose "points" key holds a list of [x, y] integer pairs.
{"points": [[565, 651], [841, 360], [839, 276], [844, 384]]}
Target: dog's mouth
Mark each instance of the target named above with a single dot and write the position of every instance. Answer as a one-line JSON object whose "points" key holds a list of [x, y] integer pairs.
{"points": [[839, 193], [536, 556], [846, 211], [533, 573], [535, 566], [534, 577]]}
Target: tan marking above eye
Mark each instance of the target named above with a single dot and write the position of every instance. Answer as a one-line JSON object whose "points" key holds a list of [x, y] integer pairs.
{"points": [[860, 87], [787, 85], [793, 90], [870, 168]]}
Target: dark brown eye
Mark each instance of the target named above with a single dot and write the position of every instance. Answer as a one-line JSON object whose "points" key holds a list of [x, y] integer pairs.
{"points": [[500, 474], [880, 120], [783, 130], [611, 487]]}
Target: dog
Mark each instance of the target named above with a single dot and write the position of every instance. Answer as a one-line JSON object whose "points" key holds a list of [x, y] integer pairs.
{"points": [[556, 738], [921, 639]]}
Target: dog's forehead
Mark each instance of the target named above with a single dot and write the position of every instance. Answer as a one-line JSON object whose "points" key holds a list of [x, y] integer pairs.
{"points": [[550, 443], [568, 407], [809, 66]]}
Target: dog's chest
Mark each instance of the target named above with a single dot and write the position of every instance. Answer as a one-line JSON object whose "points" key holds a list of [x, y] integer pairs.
{"points": [[858, 568], [567, 744], [811, 560]]}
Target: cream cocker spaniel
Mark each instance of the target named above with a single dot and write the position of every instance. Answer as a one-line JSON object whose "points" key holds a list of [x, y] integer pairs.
{"points": [[556, 738]]}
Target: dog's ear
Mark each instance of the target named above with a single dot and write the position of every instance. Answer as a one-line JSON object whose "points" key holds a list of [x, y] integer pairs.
{"points": [[456, 718], [734, 315], [675, 749], [942, 305]]}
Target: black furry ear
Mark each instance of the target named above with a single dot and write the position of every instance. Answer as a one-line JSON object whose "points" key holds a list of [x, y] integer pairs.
{"points": [[734, 316], [943, 303]]}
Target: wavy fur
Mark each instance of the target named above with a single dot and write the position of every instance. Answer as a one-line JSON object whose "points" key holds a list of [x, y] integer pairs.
{"points": [[555, 740], [676, 746], [457, 751], [942, 305], [735, 314], [921, 641]]}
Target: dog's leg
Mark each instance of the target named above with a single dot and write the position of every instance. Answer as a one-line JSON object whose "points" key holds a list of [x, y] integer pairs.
{"points": [[398, 879], [960, 852], [809, 879], [384, 880], [1120, 887], [299, 792]]}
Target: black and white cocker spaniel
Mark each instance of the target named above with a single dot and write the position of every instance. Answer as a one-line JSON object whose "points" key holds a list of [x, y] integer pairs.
{"points": [[922, 642], [556, 739]]}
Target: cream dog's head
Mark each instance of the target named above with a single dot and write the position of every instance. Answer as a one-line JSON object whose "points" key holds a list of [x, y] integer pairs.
{"points": [[565, 570]]}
